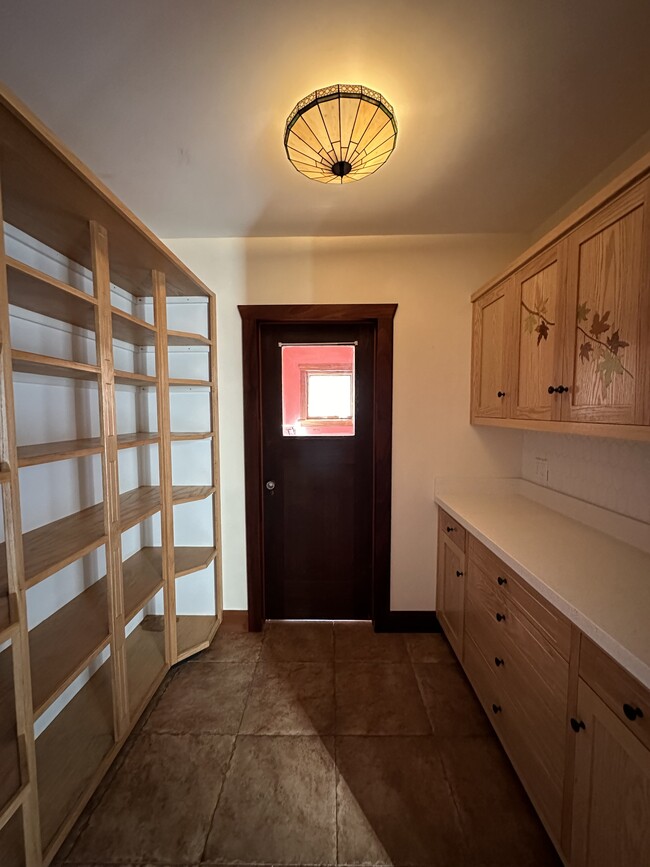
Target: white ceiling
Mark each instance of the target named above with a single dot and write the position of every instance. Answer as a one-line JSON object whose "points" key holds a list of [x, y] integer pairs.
{"points": [[505, 107]]}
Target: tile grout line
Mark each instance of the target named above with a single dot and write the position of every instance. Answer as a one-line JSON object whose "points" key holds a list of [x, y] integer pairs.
{"points": [[232, 752]]}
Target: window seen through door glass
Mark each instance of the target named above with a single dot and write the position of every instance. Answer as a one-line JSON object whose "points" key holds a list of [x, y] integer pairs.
{"points": [[317, 390]]}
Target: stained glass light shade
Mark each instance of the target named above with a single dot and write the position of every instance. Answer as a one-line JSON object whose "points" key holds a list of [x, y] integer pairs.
{"points": [[340, 134]]}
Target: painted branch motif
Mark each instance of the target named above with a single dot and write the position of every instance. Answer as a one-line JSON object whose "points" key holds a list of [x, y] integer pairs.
{"points": [[604, 352], [537, 322]]}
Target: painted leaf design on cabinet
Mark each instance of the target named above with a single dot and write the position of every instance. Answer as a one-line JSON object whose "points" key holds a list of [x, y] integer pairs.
{"points": [[536, 322], [605, 353]]}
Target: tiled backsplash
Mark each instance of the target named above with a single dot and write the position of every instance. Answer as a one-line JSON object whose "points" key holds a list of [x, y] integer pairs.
{"points": [[610, 473]]}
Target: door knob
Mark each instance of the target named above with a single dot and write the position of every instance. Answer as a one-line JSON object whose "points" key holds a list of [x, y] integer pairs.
{"points": [[270, 485]]}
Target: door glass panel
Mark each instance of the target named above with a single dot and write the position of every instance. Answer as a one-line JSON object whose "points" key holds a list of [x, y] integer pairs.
{"points": [[318, 390]]}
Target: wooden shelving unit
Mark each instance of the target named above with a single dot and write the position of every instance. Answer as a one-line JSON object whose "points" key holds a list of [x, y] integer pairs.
{"points": [[90, 667]]}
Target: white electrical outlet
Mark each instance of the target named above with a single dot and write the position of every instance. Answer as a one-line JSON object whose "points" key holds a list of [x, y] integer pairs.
{"points": [[541, 471]]}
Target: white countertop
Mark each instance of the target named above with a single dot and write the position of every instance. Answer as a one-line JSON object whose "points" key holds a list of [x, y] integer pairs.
{"points": [[600, 582]]}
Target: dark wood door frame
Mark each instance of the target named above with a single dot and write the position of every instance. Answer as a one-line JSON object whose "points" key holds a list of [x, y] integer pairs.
{"points": [[380, 316]]}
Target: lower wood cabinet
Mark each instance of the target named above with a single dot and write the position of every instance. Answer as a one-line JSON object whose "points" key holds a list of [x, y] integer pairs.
{"points": [[611, 797], [450, 601], [588, 775]]}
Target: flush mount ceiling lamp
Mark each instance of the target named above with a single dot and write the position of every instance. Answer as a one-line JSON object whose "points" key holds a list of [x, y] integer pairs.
{"points": [[340, 134]]}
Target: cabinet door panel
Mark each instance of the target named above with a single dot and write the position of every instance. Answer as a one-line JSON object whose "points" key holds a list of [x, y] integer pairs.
{"points": [[611, 801], [538, 329], [450, 601], [489, 354], [607, 280]]}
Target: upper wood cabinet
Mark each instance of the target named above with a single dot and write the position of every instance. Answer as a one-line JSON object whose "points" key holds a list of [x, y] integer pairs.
{"points": [[537, 324], [490, 390], [607, 282], [563, 342]]}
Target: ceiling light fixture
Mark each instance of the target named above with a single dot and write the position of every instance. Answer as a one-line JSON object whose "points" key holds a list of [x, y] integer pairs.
{"points": [[340, 134]]}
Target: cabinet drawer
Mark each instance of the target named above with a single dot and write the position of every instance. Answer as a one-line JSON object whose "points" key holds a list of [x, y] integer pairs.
{"points": [[621, 692], [450, 527], [508, 590], [483, 680]]}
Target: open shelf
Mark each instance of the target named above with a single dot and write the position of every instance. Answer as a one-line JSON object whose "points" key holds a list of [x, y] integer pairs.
{"points": [[125, 377], [46, 365], [71, 750], [191, 383], [33, 290], [10, 779], [12, 844], [138, 504], [142, 575], [45, 453], [190, 493], [64, 644], [191, 435], [188, 560], [186, 338], [53, 546], [130, 329], [194, 633], [145, 665], [50, 194]]}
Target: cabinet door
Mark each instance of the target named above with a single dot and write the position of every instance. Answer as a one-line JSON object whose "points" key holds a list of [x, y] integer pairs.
{"points": [[450, 595], [537, 328], [611, 799], [489, 353], [607, 313]]}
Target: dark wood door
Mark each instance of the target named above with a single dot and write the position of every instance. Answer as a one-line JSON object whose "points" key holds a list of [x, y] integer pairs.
{"points": [[318, 507]]}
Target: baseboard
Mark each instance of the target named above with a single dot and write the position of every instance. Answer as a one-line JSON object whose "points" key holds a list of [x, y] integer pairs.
{"points": [[235, 621], [408, 621]]}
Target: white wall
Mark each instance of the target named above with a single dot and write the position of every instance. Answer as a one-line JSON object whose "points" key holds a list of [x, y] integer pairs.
{"points": [[431, 278]]}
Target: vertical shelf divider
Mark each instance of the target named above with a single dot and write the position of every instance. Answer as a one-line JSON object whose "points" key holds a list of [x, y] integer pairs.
{"points": [[165, 462], [110, 475], [16, 581], [216, 498]]}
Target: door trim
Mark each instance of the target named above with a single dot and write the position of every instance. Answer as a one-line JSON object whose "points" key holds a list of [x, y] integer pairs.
{"points": [[380, 316]]}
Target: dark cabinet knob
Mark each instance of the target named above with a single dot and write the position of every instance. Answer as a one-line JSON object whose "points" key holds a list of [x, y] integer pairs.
{"points": [[501, 581], [632, 713], [576, 725], [450, 529], [459, 574], [496, 708], [500, 617], [551, 390], [501, 394], [559, 389], [498, 661]]}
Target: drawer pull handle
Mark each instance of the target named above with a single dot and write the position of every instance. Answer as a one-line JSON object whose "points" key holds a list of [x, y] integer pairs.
{"points": [[496, 708], [459, 574], [501, 581], [500, 617], [576, 725], [632, 713], [498, 661]]}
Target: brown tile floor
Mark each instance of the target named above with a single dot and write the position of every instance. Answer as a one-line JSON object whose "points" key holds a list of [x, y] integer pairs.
{"points": [[313, 744]]}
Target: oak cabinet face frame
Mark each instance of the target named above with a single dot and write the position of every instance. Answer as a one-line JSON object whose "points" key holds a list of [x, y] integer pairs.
{"points": [[490, 350], [573, 353], [611, 789], [537, 324], [587, 775], [605, 326]]}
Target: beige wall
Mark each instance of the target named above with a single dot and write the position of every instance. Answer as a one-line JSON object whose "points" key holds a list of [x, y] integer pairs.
{"points": [[431, 278]]}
